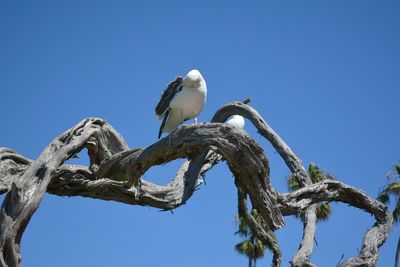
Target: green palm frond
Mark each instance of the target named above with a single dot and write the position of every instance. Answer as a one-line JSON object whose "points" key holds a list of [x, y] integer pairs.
{"points": [[246, 248], [316, 174], [259, 249], [392, 191], [243, 228], [396, 212], [394, 187], [292, 183], [251, 246], [397, 168], [384, 198], [323, 211], [258, 218]]}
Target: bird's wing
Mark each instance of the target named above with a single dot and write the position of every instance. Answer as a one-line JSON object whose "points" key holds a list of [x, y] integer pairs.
{"points": [[169, 93], [166, 115]]}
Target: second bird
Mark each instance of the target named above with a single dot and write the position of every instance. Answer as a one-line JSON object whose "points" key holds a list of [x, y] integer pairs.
{"points": [[182, 100]]}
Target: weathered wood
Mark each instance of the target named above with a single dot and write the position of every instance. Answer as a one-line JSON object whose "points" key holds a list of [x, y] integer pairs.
{"points": [[245, 159], [302, 257], [292, 161], [27, 189], [330, 190], [257, 229], [115, 173]]}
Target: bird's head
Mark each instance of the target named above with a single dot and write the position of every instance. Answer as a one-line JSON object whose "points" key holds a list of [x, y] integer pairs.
{"points": [[193, 79]]}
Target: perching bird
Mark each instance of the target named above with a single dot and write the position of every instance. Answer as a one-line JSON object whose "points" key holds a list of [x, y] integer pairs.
{"points": [[183, 100], [236, 121]]}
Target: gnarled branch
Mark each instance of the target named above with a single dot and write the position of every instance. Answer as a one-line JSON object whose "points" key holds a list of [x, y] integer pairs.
{"points": [[115, 173], [302, 257], [330, 190]]}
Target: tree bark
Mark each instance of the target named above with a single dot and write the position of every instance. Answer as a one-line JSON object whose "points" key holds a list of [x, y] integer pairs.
{"points": [[115, 173], [302, 257], [28, 189]]}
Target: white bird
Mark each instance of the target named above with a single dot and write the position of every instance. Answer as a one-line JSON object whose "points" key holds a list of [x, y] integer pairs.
{"points": [[236, 121], [182, 100]]}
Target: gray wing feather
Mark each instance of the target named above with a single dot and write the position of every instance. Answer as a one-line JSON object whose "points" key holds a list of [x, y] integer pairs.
{"points": [[169, 93]]}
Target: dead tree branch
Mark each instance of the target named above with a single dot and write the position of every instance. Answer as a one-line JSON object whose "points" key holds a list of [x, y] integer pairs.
{"points": [[330, 190], [302, 257], [115, 173]]}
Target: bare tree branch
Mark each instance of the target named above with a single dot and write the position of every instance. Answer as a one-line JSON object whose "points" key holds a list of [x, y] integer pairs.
{"points": [[27, 189], [330, 190], [115, 173], [302, 257], [244, 156], [292, 161], [258, 230]]}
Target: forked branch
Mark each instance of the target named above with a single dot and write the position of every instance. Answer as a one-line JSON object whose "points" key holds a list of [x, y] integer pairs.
{"points": [[115, 173]]}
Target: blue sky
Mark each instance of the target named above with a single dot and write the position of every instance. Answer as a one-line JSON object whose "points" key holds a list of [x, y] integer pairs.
{"points": [[324, 74]]}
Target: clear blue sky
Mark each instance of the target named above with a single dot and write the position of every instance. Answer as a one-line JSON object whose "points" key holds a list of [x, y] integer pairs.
{"points": [[324, 74]]}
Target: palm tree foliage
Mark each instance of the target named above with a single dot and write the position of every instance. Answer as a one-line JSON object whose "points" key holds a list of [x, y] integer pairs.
{"points": [[392, 191], [254, 248], [251, 246], [316, 175]]}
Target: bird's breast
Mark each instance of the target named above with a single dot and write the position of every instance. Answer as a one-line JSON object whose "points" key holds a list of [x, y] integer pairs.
{"points": [[189, 101]]}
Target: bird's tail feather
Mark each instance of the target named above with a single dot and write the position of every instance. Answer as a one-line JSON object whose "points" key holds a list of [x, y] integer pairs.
{"points": [[166, 115]]}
